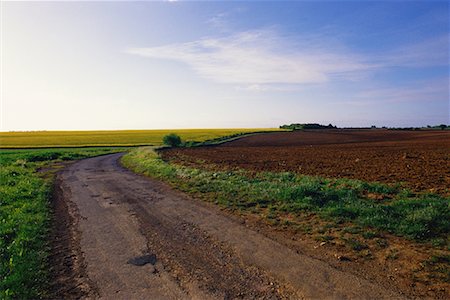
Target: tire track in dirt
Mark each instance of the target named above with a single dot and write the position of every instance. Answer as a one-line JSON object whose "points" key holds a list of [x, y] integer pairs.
{"points": [[201, 253]]}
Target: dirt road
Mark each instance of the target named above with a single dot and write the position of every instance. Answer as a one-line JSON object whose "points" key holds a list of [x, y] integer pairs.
{"points": [[116, 220]]}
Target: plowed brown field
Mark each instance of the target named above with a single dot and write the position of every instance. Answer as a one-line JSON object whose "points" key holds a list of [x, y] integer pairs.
{"points": [[420, 160]]}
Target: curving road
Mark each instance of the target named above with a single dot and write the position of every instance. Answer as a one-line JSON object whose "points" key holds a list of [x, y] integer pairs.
{"points": [[187, 249]]}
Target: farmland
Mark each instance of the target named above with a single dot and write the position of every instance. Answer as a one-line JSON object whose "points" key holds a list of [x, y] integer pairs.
{"points": [[42, 139], [26, 179], [418, 160], [375, 224], [382, 195], [371, 197]]}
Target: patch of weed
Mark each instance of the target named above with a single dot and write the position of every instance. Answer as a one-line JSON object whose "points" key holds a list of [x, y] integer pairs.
{"points": [[438, 265], [352, 230], [324, 238], [382, 243], [369, 235], [393, 254], [355, 244]]}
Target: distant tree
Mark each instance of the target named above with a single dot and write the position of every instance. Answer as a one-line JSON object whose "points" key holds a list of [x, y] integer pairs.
{"points": [[172, 140], [443, 126], [301, 126]]}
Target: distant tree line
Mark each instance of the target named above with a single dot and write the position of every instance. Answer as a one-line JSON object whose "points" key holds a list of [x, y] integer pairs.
{"points": [[442, 126], [428, 127], [301, 126]]}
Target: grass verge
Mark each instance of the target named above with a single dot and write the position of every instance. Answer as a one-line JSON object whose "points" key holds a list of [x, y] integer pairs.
{"points": [[24, 218], [423, 217], [372, 223]]}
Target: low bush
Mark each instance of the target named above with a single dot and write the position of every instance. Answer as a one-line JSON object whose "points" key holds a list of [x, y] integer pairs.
{"points": [[172, 140]]}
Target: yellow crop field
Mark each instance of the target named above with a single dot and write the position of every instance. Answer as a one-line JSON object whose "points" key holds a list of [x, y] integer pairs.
{"points": [[40, 139]]}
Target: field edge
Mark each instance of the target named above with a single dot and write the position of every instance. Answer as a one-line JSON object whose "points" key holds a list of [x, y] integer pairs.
{"points": [[365, 242]]}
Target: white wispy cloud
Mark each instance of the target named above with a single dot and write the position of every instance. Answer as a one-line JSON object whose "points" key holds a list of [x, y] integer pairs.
{"points": [[260, 59], [256, 58]]}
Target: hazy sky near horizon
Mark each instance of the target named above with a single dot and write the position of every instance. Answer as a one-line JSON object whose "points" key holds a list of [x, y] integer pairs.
{"points": [[176, 64]]}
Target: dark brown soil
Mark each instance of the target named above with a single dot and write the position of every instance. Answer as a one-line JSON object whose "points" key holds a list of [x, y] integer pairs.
{"points": [[419, 160]]}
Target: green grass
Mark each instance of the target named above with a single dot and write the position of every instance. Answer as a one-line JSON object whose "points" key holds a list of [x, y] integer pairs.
{"points": [[422, 217], [42, 139], [439, 264], [24, 218]]}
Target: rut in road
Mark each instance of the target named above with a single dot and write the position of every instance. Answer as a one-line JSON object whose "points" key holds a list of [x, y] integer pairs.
{"points": [[200, 252]]}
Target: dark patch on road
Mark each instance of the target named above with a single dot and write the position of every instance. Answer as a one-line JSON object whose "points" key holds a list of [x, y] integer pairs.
{"points": [[143, 260]]}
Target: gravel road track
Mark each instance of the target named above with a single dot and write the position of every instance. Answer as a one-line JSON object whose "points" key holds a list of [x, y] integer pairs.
{"points": [[130, 237]]}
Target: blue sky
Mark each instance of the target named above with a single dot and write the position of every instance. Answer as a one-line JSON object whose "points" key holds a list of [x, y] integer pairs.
{"points": [[144, 65]]}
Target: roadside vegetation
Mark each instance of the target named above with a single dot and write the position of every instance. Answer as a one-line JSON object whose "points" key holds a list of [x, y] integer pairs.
{"points": [[42, 139], [363, 212], [25, 217], [419, 217], [172, 140]]}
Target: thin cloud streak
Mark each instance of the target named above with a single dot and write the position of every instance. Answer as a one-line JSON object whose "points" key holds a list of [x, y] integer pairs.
{"points": [[262, 57], [256, 57]]}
